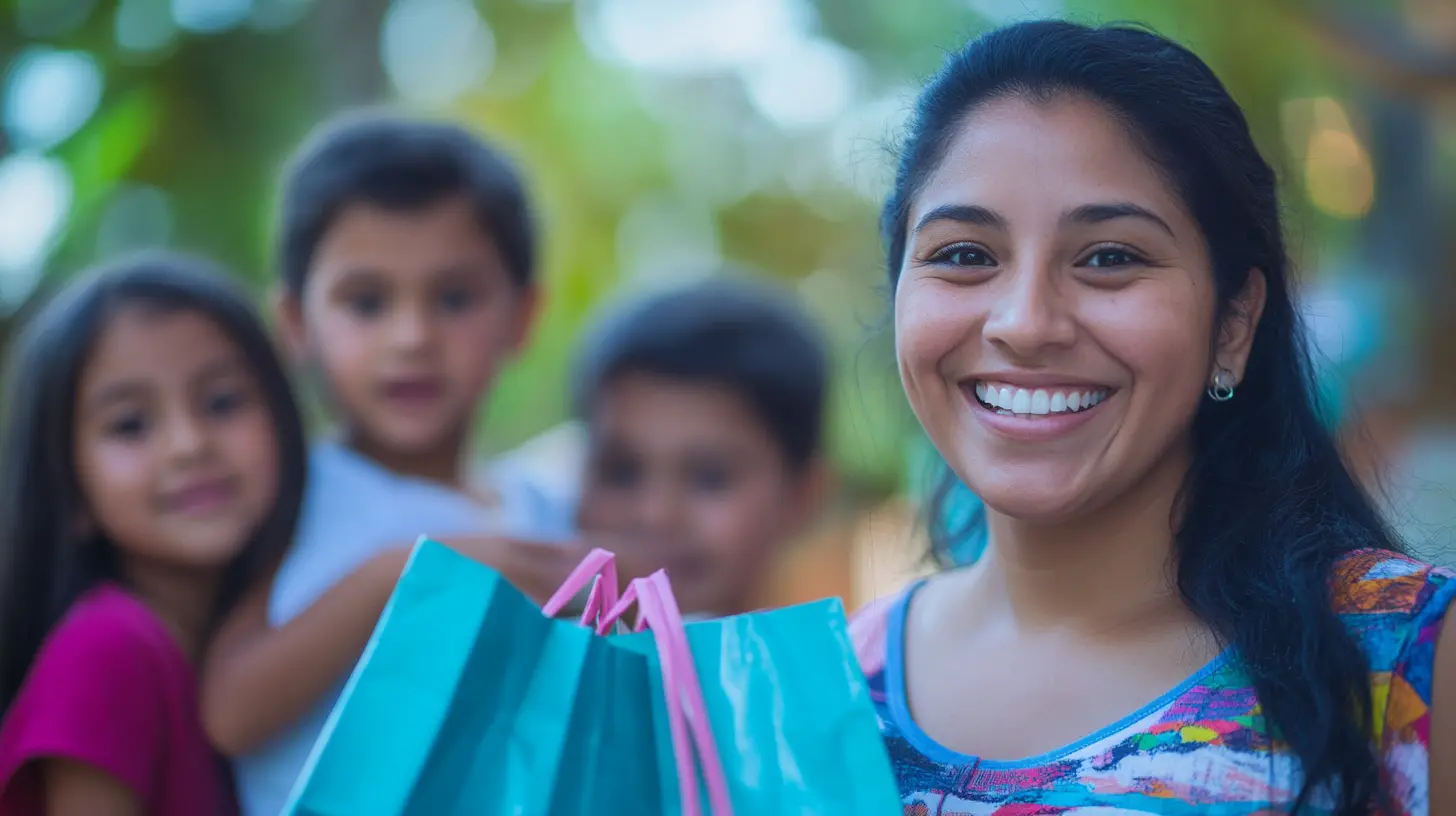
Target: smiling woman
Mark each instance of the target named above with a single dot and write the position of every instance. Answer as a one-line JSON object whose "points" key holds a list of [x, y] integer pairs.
{"points": [[1094, 325]]}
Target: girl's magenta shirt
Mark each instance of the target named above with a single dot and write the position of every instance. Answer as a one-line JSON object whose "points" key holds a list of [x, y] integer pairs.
{"points": [[112, 689]]}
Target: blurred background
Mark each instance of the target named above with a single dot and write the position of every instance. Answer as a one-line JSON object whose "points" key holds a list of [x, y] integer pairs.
{"points": [[665, 138]]}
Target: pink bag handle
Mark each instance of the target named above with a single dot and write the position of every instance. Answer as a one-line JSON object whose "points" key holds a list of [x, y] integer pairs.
{"points": [[599, 569], [687, 714]]}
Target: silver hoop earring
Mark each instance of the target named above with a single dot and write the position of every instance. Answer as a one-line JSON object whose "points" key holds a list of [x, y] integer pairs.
{"points": [[1222, 389]]}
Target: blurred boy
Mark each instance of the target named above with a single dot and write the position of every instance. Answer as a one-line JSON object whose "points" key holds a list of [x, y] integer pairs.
{"points": [[703, 408], [408, 259]]}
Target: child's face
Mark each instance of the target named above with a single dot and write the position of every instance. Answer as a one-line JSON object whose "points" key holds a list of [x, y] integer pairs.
{"points": [[175, 448], [409, 314], [684, 476]]}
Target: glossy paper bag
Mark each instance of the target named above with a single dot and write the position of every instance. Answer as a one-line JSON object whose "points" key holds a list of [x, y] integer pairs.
{"points": [[791, 714], [469, 701]]}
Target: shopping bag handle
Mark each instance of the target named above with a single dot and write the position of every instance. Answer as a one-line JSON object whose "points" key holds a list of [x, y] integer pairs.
{"points": [[599, 569], [687, 714]]}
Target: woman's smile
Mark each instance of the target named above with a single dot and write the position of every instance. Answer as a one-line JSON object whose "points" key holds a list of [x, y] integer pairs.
{"points": [[1034, 413]]}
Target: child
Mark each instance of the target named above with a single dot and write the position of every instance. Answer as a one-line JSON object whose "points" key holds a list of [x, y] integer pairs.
{"points": [[153, 465], [703, 408], [408, 266]]}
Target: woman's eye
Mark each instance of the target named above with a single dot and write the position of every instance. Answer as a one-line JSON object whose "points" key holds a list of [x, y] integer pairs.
{"points": [[963, 255], [1111, 258]]}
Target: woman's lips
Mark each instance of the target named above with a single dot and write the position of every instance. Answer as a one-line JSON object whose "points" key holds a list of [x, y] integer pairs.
{"points": [[1030, 416]]}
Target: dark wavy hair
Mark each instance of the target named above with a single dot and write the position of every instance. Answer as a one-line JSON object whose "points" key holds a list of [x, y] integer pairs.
{"points": [[1269, 506], [45, 565]]}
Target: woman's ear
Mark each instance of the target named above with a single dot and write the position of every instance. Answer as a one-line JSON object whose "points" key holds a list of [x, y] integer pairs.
{"points": [[1236, 335]]}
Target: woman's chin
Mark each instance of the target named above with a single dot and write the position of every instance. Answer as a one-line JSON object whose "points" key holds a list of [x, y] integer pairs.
{"points": [[1036, 505]]}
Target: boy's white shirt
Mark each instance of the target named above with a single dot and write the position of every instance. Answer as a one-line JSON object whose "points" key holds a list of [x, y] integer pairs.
{"points": [[552, 462], [354, 509]]}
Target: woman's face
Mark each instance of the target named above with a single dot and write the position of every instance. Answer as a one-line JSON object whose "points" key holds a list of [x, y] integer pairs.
{"points": [[1054, 316]]}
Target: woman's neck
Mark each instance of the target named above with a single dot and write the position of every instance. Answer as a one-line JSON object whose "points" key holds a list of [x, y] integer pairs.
{"points": [[184, 600], [1100, 572]]}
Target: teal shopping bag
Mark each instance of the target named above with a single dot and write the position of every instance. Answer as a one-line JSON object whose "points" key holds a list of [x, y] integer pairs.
{"points": [[790, 712], [469, 701], [787, 708]]}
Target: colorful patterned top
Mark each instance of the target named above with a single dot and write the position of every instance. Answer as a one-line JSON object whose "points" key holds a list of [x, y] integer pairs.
{"points": [[1200, 748]]}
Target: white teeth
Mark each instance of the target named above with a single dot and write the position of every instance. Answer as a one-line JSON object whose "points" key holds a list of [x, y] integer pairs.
{"points": [[1038, 402]]}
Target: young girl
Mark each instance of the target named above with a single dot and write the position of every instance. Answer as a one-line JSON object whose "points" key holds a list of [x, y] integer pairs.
{"points": [[153, 465]]}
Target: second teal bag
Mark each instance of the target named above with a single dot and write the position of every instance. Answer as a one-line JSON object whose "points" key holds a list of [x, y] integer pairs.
{"points": [[789, 708], [791, 713]]}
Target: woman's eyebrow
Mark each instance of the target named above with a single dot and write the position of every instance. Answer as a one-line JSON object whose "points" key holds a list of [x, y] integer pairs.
{"points": [[1085, 214], [1099, 213], [962, 214]]}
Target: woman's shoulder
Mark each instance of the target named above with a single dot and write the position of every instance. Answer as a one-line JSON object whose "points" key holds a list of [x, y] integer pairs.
{"points": [[1390, 584], [869, 631], [1393, 604]]}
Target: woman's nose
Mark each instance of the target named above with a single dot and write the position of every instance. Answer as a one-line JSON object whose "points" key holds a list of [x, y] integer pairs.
{"points": [[1031, 312]]}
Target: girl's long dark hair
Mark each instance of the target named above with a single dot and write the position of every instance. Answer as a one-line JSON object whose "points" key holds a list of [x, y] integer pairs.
{"points": [[45, 563], [1269, 506]]}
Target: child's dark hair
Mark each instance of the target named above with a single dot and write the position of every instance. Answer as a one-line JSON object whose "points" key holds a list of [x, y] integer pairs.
{"points": [[400, 164], [45, 561], [1269, 507], [744, 336]]}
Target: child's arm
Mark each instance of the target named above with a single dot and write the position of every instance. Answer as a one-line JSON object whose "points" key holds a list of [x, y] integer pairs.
{"points": [[77, 789], [258, 680]]}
